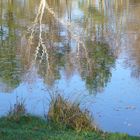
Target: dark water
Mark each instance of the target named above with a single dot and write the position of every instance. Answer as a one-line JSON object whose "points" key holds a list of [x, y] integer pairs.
{"points": [[88, 50]]}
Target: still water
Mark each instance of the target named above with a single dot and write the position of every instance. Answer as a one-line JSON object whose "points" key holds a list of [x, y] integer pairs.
{"points": [[87, 50]]}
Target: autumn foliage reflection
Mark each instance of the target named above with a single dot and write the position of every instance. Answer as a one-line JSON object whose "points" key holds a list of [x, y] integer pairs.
{"points": [[58, 48]]}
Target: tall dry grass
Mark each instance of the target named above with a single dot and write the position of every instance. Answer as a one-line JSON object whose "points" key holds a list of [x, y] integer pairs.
{"points": [[65, 113], [17, 110]]}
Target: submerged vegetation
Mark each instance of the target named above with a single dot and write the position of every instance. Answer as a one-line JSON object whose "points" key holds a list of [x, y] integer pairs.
{"points": [[19, 125]]}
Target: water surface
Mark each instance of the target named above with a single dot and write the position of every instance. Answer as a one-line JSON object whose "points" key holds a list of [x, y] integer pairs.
{"points": [[88, 50]]}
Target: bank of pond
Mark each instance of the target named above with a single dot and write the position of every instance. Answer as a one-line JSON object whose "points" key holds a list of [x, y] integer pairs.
{"points": [[64, 121]]}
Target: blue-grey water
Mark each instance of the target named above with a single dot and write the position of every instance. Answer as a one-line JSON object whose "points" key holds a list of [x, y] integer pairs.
{"points": [[86, 50]]}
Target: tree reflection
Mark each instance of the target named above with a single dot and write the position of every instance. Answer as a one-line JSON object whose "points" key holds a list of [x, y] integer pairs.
{"points": [[101, 60], [133, 40], [9, 63], [56, 44], [60, 48]]}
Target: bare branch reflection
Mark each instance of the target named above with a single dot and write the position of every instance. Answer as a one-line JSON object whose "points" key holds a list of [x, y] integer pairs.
{"points": [[60, 48]]}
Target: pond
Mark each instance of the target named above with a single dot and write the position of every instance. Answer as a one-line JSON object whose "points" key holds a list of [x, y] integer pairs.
{"points": [[87, 50]]}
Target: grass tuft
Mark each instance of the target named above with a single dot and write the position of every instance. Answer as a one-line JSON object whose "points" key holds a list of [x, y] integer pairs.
{"points": [[70, 115], [17, 110]]}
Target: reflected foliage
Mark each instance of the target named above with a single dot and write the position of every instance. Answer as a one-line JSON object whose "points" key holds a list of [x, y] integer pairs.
{"points": [[65, 43], [98, 73], [92, 12], [9, 64], [57, 54], [10, 68], [58, 42]]}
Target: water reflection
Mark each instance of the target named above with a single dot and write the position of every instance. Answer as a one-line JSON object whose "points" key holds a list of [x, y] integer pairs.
{"points": [[132, 34], [91, 40], [58, 47], [10, 69], [58, 40]]}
